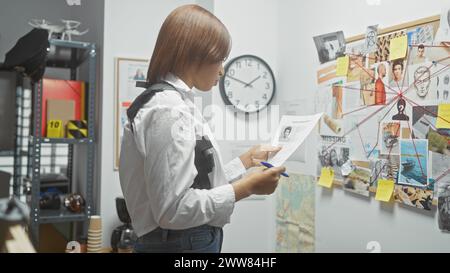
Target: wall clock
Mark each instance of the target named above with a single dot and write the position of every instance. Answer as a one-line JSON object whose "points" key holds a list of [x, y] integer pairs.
{"points": [[248, 84]]}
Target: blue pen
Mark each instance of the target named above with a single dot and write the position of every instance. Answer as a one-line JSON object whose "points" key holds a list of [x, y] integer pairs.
{"points": [[268, 165]]}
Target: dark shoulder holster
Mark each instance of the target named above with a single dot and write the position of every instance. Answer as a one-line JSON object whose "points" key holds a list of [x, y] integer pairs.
{"points": [[204, 151]]}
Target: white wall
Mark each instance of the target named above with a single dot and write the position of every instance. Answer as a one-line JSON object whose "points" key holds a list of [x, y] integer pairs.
{"points": [[131, 29], [344, 222], [253, 25]]}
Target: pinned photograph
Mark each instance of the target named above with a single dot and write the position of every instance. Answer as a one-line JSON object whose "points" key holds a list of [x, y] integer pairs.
{"points": [[443, 34], [330, 46], [422, 83], [423, 120], [358, 181], [438, 141], [381, 82], [334, 152], [443, 85], [419, 39], [414, 163], [422, 35], [371, 39], [383, 45], [401, 109], [418, 54], [444, 213], [357, 61], [390, 138], [397, 74], [367, 82], [441, 174], [385, 167], [414, 197]]}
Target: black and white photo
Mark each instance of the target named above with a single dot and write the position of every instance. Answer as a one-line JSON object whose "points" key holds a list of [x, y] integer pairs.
{"points": [[330, 46]]}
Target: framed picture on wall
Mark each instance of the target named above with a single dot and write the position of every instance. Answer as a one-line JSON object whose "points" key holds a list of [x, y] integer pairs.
{"points": [[127, 72]]}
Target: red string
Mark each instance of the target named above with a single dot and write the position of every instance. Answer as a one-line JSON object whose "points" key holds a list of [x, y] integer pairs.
{"points": [[417, 154]]}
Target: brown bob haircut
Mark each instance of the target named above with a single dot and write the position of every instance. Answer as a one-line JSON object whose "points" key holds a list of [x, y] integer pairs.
{"points": [[190, 36]]}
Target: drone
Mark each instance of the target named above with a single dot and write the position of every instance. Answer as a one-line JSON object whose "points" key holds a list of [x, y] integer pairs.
{"points": [[59, 31]]}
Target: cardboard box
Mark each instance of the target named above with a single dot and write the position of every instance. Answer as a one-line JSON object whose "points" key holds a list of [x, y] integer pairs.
{"points": [[55, 89], [61, 110]]}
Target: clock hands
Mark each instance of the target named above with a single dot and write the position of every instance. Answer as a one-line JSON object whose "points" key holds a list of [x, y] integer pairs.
{"points": [[244, 83], [250, 83], [238, 80]]}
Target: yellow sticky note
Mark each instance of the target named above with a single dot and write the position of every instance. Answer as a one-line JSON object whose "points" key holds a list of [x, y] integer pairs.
{"points": [[443, 116], [326, 177], [384, 190], [342, 66], [398, 48]]}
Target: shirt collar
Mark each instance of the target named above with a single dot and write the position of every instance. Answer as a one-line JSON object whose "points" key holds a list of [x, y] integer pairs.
{"points": [[178, 83]]}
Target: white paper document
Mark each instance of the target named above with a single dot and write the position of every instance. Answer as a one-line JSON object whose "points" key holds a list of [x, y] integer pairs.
{"points": [[291, 133]]}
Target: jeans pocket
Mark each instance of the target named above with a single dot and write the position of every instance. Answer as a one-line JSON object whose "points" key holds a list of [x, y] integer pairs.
{"points": [[204, 242], [163, 247]]}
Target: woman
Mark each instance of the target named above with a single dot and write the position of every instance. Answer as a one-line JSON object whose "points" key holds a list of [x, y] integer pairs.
{"points": [[177, 189]]}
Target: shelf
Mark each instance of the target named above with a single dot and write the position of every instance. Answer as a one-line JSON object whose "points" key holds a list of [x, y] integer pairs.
{"points": [[60, 216], [63, 140], [68, 54], [11, 153], [70, 44], [66, 140]]}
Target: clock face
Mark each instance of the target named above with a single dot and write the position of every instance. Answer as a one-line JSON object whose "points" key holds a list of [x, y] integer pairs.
{"points": [[248, 84]]}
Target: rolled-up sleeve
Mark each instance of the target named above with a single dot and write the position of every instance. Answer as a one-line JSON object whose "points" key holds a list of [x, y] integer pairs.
{"points": [[170, 172]]}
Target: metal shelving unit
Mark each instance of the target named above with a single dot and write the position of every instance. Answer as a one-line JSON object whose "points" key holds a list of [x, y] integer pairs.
{"points": [[64, 140], [58, 216], [14, 161], [67, 55]]}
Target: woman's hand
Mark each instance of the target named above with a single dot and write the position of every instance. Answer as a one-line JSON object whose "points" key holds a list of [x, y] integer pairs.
{"points": [[256, 154], [262, 181]]}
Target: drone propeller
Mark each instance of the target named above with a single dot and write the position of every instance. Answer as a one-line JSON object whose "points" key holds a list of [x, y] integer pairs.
{"points": [[39, 23], [67, 30], [44, 24], [71, 24], [77, 32]]}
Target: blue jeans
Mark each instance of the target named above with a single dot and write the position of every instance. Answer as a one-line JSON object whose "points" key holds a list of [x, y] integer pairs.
{"points": [[202, 239]]}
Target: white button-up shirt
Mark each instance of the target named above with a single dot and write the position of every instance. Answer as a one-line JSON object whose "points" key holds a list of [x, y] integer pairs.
{"points": [[157, 166]]}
